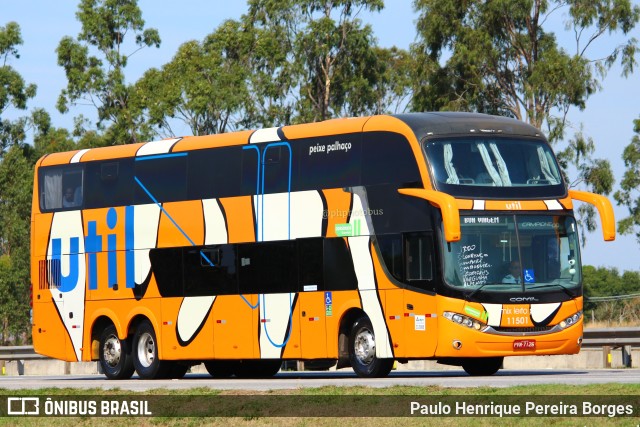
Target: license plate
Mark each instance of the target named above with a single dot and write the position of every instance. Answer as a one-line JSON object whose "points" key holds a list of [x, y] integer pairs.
{"points": [[524, 345]]}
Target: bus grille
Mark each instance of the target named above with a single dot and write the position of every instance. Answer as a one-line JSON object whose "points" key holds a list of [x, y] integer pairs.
{"points": [[50, 274], [523, 330]]}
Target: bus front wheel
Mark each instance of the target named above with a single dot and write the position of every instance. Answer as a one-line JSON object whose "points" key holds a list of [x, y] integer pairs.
{"points": [[362, 351], [145, 354], [115, 355], [482, 366]]}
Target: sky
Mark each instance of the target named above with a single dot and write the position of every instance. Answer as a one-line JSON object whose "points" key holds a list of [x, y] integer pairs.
{"points": [[607, 118]]}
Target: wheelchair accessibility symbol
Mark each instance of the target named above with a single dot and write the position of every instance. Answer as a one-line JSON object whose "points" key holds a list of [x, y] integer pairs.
{"points": [[328, 299], [529, 277]]}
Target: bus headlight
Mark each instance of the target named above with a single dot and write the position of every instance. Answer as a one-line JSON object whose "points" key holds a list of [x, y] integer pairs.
{"points": [[461, 319], [571, 320]]}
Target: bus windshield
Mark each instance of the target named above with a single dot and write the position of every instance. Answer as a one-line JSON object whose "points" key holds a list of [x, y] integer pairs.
{"points": [[484, 166], [507, 253]]}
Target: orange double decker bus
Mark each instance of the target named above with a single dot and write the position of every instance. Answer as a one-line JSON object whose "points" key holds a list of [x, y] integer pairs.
{"points": [[443, 236]]}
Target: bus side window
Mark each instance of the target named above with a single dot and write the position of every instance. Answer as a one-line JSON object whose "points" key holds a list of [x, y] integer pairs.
{"points": [[267, 267], [310, 263], [210, 270], [61, 188], [109, 183], [419, 257], [387, 159], [409, 257], [161, 179], [391, 248]]}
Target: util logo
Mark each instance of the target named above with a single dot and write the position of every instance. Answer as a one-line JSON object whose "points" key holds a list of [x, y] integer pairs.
{"points": [[513, 206], [93, 244]]}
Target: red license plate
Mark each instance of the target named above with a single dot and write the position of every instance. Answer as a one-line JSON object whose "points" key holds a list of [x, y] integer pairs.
{"points": [[524, 345]]}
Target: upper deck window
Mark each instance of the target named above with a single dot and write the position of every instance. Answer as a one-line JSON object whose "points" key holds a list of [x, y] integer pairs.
{"points": [[61, 188], [495, 168]]}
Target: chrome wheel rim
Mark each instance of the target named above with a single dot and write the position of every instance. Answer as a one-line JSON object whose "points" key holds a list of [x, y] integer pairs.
{"points": [[112, 351], [365, 346], [146, 349]]}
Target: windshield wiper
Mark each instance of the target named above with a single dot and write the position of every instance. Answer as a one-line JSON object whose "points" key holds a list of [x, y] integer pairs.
{"points": [[555, 283], [476, 290]]}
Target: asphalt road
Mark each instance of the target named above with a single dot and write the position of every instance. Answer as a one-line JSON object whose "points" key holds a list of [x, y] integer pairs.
{"points": [[295, 380]]}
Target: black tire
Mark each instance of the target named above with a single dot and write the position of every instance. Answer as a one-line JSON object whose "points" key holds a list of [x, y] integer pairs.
{"points": [[362, 351], [258, 368], [145, 354], [221, 368], [482, 366], [176, 370], [115, 355]]}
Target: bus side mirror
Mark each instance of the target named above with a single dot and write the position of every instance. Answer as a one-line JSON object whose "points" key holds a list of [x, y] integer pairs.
{"points": [[605, 210]]}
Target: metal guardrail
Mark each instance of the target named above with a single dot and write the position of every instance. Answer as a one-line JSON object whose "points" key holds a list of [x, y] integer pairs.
{"points": [[613, 337], [607, 338], [20, 352]]}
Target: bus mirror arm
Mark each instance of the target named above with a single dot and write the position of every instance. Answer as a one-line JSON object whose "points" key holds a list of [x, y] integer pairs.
{"points": [[447, 205], [605, 210]]}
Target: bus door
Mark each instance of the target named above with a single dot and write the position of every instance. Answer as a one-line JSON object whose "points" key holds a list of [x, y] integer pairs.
{"points": [[420, 323], [314, 303]]}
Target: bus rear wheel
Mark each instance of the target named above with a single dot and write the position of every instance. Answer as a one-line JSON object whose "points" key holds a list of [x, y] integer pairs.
{"points": [[482, 366], [362, 351], [115, 355], [145, 354]]}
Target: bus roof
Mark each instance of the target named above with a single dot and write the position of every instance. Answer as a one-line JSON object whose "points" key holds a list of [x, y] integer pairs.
{"points": [[423, 125], [457, 123]]}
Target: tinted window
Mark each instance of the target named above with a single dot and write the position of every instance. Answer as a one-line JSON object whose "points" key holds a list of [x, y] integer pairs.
{"points": [[328, 162], [61, 188], [339, 273], [267, 267], [419, 258], [166, 265], [310, 262], [250, 167], [392, 212], [109, 183], [163, 178], [409, 257], [495, 167], [387, 158], [215, 173], [276, 169], [210, 270], [391, 249]]}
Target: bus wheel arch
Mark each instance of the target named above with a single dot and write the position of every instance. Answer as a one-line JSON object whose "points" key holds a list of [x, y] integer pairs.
{"points": [[114, 353], [347, 321]]}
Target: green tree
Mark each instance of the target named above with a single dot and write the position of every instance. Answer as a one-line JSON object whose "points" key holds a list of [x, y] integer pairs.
{"points": [[16, 181], [205, 86], [609, 295], [498, 57], [337, 69], [94, 65], [629, 193], [14, 92]]}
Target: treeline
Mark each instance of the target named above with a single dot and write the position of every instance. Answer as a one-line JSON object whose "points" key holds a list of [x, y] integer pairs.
{"points": [[294, 61], [611, 297]]}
